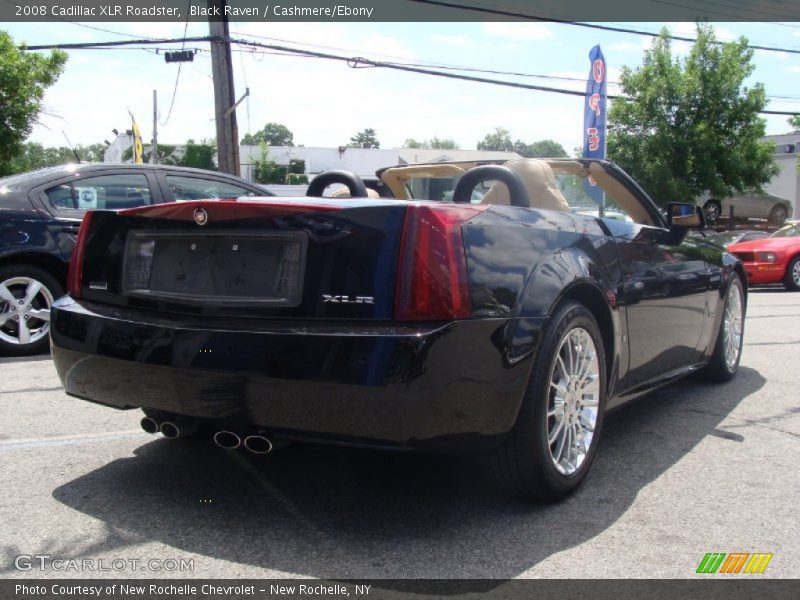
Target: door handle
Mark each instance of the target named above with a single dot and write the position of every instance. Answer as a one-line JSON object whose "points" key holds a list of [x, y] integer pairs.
{"points": [[69, 229]]}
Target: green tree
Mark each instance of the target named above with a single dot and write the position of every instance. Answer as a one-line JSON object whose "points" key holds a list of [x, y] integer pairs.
{"points": [[32, 155], [443, 143], [367, 138], [24, 77], [412, 143], [272, 134], [199, 156], [794, 121], [434, 142], [688, 126], [266, 170], [499, 140], [541, 149]]}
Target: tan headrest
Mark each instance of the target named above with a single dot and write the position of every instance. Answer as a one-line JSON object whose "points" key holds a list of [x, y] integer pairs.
{"points": [[345, 193], [540, 182]]}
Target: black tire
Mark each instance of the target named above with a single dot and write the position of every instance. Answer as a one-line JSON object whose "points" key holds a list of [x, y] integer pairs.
{"points": [[718, 369], [523, 466], [790, 279], [778, 214], [55, 291], [712, 210]]}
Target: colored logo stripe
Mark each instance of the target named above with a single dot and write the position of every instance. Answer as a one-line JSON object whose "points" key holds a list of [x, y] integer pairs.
{"points": [[736, 562], [711, 562], [758, 563]]}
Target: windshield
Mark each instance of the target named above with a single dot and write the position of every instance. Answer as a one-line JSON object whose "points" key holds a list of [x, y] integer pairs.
{"points": [[723, 239], [787, 231]]}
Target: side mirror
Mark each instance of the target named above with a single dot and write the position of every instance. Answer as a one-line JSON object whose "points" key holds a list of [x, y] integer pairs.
{"points": [[685, 216]]}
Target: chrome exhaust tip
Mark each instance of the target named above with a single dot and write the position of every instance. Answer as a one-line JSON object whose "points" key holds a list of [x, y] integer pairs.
{"points": [[227, 439], [149, 424], [173, 430], [258, 444]]}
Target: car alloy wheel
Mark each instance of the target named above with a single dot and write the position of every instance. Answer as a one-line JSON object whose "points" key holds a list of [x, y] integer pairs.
{"points": [[574, 400], [778, 214], [24, 310], [712, 209], [732, 326], [796, 273]]}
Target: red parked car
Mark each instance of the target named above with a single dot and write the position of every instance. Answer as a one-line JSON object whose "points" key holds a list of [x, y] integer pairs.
{"points": [[775, 259]]}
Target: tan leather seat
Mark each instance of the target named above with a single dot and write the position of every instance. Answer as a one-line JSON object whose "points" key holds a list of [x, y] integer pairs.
{"points": [[345, 193], [540, 182]]}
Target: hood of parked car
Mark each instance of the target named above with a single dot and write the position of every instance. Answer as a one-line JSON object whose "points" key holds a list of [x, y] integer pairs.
{"points": [[774, 244]]}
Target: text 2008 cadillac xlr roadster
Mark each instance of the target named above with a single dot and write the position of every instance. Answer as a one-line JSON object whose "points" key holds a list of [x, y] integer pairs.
{"points": [[497, 316]]}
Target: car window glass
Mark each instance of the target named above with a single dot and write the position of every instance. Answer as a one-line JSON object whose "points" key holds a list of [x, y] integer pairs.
{"points": [[198, 188], [61, 196], [787, 231], [573, 188], [111, 192]]}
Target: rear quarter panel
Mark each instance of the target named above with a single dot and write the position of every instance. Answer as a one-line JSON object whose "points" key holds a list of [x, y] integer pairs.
{"points": [[523, 262]]}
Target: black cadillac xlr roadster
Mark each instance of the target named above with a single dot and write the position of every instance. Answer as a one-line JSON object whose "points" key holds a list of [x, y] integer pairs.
{"points": [[487, 308]]}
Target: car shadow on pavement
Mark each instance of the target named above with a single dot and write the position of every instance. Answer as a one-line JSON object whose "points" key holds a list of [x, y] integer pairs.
{"points": [[337, 513]]}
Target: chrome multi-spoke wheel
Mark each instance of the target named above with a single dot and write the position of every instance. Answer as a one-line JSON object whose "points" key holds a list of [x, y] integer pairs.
{"points": [[554, 440], [732, 326], [796, 272], [778, 214], [713, 210], [724, 360], [573, 401], [24, 310]]}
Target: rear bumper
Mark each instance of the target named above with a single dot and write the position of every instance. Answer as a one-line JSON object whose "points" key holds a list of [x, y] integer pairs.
{"points": [[377, 385], [762, 272]]}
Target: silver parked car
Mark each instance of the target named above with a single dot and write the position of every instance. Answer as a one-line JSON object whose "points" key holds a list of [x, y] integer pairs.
{"points": [[753, 205]]}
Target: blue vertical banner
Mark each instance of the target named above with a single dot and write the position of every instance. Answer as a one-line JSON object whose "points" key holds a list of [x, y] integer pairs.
{"points": [[594, 117]]}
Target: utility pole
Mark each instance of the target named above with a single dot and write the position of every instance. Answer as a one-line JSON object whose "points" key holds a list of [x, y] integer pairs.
{"points": [[224, 95], [154, 151]]}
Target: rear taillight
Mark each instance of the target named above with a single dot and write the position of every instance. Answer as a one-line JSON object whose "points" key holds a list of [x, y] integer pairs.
{"points": [[432, 280], [75, 273]]}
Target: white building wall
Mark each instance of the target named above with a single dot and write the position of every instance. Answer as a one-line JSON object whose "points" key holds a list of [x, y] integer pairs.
{"points": [[362, 161], [786, 184]]}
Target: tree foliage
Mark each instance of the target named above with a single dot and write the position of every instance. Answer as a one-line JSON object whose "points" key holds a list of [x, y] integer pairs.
{"points": [[689, 126], [434, 143], [199, 156], [32, 155], [192, 154], [24, 77], [500, 140], [272, 134], [366, 138], [542, 149], [266, 170]]}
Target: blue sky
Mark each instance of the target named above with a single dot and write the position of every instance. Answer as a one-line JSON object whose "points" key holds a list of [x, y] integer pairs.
{"points": [[324, 102]]}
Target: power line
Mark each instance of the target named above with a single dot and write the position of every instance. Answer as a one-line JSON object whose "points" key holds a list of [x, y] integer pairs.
{"points": [[729, 7], [180, 64], [361, 62], [530, 17], [356, 62], [117, 43]]}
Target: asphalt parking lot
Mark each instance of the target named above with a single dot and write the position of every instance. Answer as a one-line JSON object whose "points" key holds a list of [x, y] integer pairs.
{"points": [[694, 468]]}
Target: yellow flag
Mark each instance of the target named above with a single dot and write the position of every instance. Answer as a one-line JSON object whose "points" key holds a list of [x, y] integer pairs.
{"points": [[137, 143]]}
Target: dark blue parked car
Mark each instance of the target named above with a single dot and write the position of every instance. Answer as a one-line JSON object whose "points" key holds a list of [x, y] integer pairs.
{"points": [[40, 213]]}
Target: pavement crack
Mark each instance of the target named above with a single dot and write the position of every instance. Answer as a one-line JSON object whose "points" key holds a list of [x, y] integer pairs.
{"points": [[744, 421], [33, 389]]}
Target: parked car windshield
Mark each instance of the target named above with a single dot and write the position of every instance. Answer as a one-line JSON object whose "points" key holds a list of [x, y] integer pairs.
{"points": [[787, 231]]}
